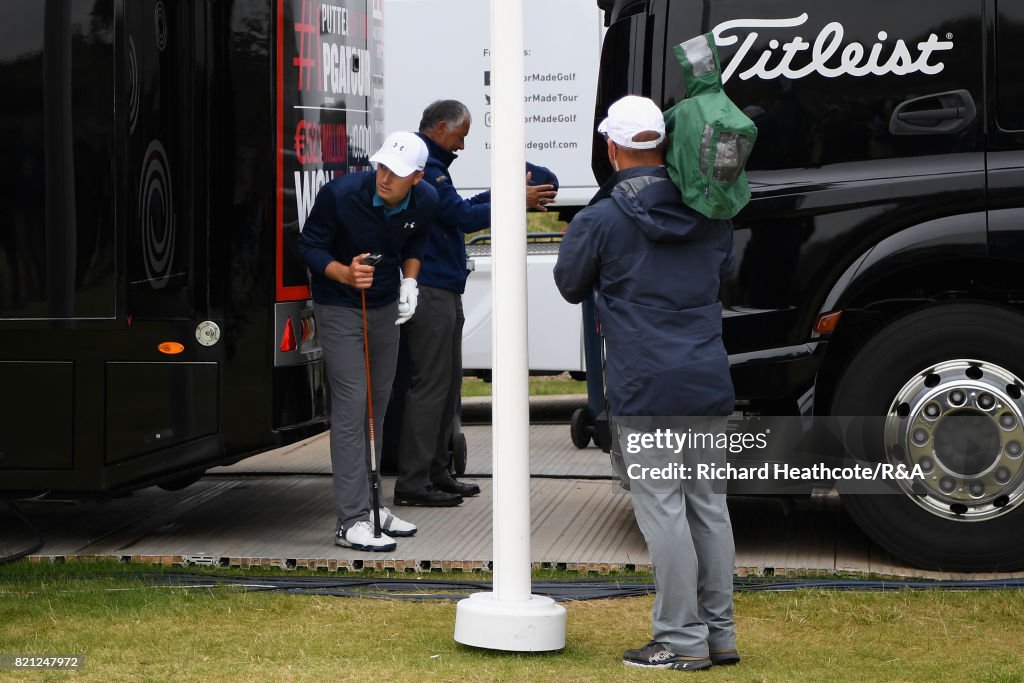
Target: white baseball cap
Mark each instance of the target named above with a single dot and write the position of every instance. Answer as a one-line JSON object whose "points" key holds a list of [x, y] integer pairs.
{"points": [[404, 153], [631, 116]]}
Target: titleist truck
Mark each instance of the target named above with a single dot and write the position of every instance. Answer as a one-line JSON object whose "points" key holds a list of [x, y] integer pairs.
{"points": [[880, 259]]}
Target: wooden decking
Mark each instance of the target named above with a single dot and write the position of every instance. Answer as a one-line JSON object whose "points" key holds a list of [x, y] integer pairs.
{"points": [[276, 509]]}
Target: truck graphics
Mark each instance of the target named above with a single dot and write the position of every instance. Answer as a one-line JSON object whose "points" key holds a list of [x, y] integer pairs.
{"points": [[561, 47], [854, 58], [327, 79]]}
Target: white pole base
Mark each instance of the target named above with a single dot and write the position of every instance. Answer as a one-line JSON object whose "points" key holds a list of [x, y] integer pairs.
{"points": [[535, 625]]}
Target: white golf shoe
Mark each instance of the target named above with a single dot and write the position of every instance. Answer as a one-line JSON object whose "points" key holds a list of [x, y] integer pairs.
{"points": [[360, 536], [395, 526]]}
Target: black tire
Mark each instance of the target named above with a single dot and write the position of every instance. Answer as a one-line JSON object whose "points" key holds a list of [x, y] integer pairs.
{"points": [[933, 352], [460, 454], [581, 429], [602, 432]]}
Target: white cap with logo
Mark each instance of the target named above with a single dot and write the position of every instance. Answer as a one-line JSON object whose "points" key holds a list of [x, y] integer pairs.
{"points": [[404, 153], [630, 116]]}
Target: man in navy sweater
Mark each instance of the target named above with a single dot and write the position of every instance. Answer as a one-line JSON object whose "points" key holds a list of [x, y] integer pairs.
{"points": [[434, 338], [385, 212]]}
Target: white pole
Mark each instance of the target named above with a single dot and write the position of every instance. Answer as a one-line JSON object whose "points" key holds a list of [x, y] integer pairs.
{"points": [[510, 618], [509, 346]]}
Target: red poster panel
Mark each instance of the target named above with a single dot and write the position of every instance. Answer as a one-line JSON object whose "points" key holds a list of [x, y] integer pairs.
{"points": [[329, 95]]}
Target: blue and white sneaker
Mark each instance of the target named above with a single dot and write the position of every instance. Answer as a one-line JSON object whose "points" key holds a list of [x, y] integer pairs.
{"points": [[656, 655]]}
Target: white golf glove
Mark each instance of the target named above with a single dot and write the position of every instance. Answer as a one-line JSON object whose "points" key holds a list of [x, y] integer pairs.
{"points": [[408, 293]]}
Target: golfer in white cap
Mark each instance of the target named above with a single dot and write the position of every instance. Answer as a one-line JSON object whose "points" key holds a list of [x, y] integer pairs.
{"points": [[364, 238]]}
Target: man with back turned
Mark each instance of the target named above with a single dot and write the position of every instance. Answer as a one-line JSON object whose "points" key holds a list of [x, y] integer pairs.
{"points": [[654, 266]]}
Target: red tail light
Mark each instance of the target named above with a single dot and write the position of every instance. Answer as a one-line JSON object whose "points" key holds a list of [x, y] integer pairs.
{"points": [[308, 329], [288, 338]]}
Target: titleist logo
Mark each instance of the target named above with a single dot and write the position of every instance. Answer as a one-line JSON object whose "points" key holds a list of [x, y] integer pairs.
{"points": [[827, 55]]}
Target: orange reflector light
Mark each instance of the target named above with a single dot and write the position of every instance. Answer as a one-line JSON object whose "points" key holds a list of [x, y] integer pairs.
{"points": [[826, 322], [288, 338], [170, 348]]}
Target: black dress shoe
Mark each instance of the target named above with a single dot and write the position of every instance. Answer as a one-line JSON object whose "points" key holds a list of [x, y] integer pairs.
{"points": [[455, 486], [428, 496]]}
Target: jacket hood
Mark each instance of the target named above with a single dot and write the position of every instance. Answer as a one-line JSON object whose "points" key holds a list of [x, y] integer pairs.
{"points": [[651, 199]]}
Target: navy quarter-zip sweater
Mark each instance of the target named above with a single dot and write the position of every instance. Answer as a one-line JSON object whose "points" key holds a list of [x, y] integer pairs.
{"points": [[444, 259], [344, 223], [444, 262]]}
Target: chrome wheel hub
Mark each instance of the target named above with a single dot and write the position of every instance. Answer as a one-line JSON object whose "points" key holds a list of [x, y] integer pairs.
{"points": [[961, 424]]}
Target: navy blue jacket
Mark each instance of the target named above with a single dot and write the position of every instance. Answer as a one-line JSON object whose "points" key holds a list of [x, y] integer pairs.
{"points": [[655, 267], [444, 260], [344, 223]]}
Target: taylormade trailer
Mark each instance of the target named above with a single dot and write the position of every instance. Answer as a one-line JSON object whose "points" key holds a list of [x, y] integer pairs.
{"points": [[440, 49]]}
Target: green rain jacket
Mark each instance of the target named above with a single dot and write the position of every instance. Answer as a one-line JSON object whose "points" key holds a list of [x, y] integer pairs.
{"points": [[709, 137]]}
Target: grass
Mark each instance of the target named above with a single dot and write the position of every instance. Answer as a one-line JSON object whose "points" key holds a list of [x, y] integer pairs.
{"points": [[544, 221], [131, 631], [540, 385], [536, 221]]}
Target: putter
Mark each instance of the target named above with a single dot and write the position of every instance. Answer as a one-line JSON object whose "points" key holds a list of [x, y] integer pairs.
{"points": [[371, 260]]}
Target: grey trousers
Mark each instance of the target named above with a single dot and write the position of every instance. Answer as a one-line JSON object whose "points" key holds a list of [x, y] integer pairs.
{"points": [[690, 539], [434, 340], [341, 336]]}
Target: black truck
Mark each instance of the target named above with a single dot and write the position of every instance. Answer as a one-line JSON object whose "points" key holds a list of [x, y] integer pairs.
{"points": [[160, 158], [880, 258]]}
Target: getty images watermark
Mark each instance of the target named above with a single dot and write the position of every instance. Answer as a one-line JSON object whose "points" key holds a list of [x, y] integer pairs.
{"points": [[767, 455]]}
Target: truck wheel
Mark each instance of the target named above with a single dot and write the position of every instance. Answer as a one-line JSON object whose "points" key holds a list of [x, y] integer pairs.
{"points": [[948, 381], [581, 429]]}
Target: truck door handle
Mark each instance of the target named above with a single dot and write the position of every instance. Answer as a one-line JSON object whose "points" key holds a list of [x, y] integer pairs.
{"points": [[939, 113], [930, 116]]}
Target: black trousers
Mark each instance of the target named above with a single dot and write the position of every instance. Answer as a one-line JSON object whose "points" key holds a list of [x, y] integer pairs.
{"points": [[434, 341]]}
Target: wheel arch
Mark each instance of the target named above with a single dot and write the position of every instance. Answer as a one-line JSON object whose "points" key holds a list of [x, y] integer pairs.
{"points": [[871, 302]]}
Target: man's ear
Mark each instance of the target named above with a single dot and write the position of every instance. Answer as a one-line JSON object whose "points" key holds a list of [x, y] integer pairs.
{"points": [[612, 152], [416, 177]]}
